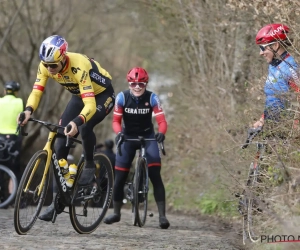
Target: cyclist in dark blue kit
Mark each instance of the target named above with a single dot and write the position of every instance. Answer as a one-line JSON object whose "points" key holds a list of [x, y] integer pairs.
{"points": [[135, 107], [282, 76]]}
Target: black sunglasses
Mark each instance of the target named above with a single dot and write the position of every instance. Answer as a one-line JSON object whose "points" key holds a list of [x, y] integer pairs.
{"points": [[51, 65]]}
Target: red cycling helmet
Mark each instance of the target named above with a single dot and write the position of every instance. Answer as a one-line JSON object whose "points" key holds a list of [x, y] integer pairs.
{"points": [[137, 75], [272, 32]]}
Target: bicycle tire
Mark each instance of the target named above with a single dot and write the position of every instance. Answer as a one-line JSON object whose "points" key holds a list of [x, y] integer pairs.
{"points": [[7, 178], [140, 192], [29, 204], [253, 212], [87, 215]]}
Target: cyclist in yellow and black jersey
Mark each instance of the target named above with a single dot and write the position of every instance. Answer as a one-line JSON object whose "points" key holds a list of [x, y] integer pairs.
{"points": [[92, 99], [79, 75]]}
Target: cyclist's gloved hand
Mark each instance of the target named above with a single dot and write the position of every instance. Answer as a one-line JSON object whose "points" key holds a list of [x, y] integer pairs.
{"points": [[160, 137], [118, 137]]}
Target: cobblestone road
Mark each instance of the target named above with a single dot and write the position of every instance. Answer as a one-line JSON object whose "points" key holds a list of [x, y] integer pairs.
{"points": [[185, 233]]}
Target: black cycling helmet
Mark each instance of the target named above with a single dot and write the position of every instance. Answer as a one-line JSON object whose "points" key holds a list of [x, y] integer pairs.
{"points": [[12, 86], [109, 143]]}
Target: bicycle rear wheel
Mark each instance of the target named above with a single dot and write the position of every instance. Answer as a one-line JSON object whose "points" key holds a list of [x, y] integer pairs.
{"points": [[140, 192], [91, 202], [8, 187], [31, 193]]}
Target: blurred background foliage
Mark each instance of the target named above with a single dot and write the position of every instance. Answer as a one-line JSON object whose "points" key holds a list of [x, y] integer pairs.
{"points": [[202, 60]]}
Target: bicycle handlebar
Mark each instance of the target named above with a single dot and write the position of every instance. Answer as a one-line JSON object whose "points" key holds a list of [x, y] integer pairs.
{"points": [[251, 133], [52, 127], [139, 139]]}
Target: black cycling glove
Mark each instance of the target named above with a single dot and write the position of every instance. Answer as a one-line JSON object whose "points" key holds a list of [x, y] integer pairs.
{"points": [[160, 137], [118, 137]]}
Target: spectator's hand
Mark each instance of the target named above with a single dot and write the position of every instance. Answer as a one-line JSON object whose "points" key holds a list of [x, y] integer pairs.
{"points": [[160, 137], [119, 136], [73, 131], [27, 116]]}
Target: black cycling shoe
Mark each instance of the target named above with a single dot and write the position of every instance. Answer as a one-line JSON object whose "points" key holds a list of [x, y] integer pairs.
{"points": [[48, 213], [163, 222], [112, 219], [87, 176]]}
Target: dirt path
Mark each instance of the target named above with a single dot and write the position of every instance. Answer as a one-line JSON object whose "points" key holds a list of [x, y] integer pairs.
{"points": [[185, 233]]}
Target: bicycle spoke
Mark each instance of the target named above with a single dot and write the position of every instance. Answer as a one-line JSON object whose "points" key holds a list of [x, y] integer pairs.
{"points": [[92, 202]]}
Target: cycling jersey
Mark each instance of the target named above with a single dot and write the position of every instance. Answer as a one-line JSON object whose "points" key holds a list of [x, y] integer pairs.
{"points": [[137, 114], [280, 79], [10, 107], [81, 76]]}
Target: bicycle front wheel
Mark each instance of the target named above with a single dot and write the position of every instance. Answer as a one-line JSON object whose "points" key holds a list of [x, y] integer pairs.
{"points": [[140, 192], [91, 202], [31, 193], [8, 186], [258, 207]]}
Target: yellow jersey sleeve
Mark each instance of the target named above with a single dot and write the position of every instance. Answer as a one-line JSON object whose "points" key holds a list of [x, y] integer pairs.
{"points": [[38, 87]]}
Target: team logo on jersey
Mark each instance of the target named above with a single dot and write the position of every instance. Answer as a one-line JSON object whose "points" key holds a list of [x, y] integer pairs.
{"points": [[146, 103], [137, 111], [37, 80], [83, 77], [99, 108], [87, 87], [107, 102], [97, 78], [74, 70], [67, 77]]}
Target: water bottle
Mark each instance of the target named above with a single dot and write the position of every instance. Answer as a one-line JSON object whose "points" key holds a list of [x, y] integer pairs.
{"points": [[73, 172], [64, 168]]}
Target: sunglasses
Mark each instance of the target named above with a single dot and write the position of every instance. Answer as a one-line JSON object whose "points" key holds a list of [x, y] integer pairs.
{"points": [[140, 84], [263, 47], [51, 65]]}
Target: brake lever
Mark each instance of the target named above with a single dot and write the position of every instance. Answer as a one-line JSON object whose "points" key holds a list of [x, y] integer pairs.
{"points": [[19, 127], [69, 127], [119, 151], [162, 148]]}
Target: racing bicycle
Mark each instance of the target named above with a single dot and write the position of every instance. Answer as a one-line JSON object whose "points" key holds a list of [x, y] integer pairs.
{"points": [[255, 204], [138, 185], [87, 204], [8, 180]]}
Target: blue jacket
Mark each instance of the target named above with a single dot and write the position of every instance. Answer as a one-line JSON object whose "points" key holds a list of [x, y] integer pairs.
{"points": [[278, 82]]}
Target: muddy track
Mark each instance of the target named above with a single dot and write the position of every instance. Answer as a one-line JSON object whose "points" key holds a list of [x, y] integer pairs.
{"points": [[186, 232]]}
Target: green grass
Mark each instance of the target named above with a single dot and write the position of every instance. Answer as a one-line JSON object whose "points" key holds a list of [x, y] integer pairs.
{"points": [[215, 203]]}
